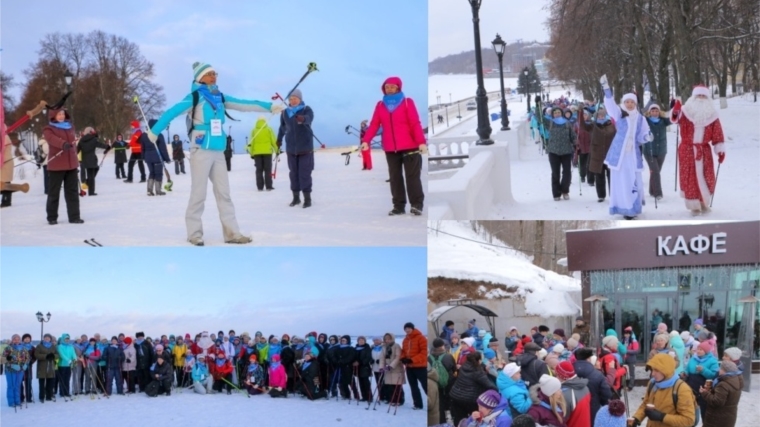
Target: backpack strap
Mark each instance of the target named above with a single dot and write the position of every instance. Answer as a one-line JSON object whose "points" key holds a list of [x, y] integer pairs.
{"points": [[196, 97], [225, 111]]}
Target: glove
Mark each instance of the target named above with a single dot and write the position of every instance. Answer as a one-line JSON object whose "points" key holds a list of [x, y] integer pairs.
{"points": [[672, 103], [279, 145], [423, 149], [406, 361], [603, 81], [634, 422], [721, 157], [300, 119], [152, 136], [654, 414], [50, 356], [276, 108], [67, 146], [364, 146]]}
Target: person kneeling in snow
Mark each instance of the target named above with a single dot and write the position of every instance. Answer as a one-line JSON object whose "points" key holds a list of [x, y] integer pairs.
{"points": [[202, 382], [161, 374], [309, 380], [207, 144], [277, 378], [254, 381]]}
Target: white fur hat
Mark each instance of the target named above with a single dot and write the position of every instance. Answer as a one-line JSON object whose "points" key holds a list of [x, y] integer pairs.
{"points": [[630, 96], [541, 354], [700, 90]]}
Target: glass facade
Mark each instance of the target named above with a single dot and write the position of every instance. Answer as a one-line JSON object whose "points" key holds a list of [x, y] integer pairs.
{"points": [[678, 296]]}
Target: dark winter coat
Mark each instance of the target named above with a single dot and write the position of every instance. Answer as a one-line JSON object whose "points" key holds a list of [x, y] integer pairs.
{"points": [[659, 145], [144, 353], [531, 368], [332, 354], [309, 379], [114, 357], [149, 153], [364, 358], [562, 138], [164, 371], [584, 331], [538, 339], [601, 140], [597, 386], [56, 138], [471, 382], [723, 401], [344, 355], [299, 138], [87, 145], [45, 368], [177, 150], [120, 151]]}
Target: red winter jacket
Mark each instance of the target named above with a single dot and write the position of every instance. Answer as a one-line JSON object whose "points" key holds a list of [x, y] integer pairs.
{"points": [[134, 142], [55, 138], [220, 371], [401, 128]]}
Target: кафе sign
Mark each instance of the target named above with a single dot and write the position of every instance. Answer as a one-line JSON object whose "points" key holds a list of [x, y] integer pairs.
{"points": [[664, 246]]}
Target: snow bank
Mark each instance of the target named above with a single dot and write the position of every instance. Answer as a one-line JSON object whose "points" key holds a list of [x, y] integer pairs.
{"points": [[545, 292], [350, 208]]}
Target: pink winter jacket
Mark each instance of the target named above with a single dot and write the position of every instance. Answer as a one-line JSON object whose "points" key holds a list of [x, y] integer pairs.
{"points": [[277, 377], [401, 128]]}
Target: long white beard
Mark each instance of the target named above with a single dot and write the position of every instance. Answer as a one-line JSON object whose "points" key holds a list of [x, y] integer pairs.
{"points": [[701, 112]]}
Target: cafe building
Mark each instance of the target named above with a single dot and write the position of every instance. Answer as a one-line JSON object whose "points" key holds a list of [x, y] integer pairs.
{"points": [[644, 276]]}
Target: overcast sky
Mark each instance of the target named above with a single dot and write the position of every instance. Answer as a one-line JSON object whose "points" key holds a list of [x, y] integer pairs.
{"points": [[257, 47], [450, 24], [357, 291]]}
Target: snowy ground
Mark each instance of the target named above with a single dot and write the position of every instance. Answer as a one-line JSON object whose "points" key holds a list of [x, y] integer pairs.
{"points": [[749, 404], [219, 409], [350, 209]]}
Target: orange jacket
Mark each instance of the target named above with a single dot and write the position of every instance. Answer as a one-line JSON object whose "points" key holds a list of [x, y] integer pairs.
{"points": [[414, 347], [134, 142]]}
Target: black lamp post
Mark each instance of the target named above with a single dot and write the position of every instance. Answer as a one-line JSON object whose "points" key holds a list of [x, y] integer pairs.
{"points": [[527, 87], [42, 321], [68, 77], [484, 127], [498, 46]]}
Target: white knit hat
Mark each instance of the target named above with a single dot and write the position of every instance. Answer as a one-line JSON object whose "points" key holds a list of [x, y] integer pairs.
{"points": [[685, 335], [610, 341], [200, 69], [734, 353], [653, 106], [549, 385], [541, 354], [511, 369], [559, 348], [470, 341], [630, 96]]}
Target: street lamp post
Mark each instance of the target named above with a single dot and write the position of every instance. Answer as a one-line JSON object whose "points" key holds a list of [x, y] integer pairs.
{"points": [[68, 77], [527, 87], [484, 127], [42, 321], [498, 46]]}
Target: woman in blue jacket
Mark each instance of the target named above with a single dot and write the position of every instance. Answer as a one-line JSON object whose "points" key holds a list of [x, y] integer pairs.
{"points": [[295, 127], [513, 389], [207, 144]]}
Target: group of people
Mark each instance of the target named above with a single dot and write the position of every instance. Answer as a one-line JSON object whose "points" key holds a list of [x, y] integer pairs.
{"points": [[562, 382], [609, 142], [403, 141], [316, 366]]}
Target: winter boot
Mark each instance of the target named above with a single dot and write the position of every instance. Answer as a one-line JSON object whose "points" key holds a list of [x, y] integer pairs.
{"points": [[416, 210], [150, 187], [240, 240], [296, 199], [397, 211], [196, 241], [306, 200], [6, 199], [157, 185]]}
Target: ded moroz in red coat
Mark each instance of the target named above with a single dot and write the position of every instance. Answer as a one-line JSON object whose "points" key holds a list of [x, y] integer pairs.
{"points": [[695, 161]]}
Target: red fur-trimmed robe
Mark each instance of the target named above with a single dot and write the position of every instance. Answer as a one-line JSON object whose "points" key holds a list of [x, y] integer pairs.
{"points": [[695, 160]]}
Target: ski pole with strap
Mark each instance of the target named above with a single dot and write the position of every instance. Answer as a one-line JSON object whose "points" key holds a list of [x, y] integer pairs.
{"points": [[136, 100]]}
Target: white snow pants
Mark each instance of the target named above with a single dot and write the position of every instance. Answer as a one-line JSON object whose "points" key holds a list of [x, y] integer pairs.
{"points": [[204, 387], [208, 165]]}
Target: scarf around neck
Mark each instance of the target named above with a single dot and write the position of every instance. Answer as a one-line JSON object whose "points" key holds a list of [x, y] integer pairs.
{"points": [[212, 96], [61, 125], [393, 101], [667, 383], [559, 120], [293, 110], [47, 344]]}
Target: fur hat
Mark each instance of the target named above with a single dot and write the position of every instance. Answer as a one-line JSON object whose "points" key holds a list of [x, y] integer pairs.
{"points": [[610, 341], [629, 96], [685, 335], [734, 353], [531, 346], [662, 327], [200, 69], [584, 353], [548, 385], [728, 366], [25, 336], [489, 399], [700, 90], [565, 371]]}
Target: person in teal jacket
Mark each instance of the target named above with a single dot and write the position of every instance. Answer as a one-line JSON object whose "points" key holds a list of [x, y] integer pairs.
{"points": [[202, 381], [207, 144], [654, 152], [677, 346], [622, 350], [512, 388], [703, 363], [66, 358]]}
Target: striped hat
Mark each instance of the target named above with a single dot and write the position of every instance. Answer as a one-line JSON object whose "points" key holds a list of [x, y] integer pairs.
{"points": [[200, 69]]}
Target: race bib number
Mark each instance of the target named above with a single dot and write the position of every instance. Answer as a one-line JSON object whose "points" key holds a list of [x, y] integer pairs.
{"points": [[216, 127]]}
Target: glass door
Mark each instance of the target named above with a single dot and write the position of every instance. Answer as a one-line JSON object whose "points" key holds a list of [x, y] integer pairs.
{"points": [[632, 314]]}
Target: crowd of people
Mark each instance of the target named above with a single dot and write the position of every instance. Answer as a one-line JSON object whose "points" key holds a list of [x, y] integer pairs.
{"points": [[316, 366], [70, 162], [609, 143], [560, 381]]}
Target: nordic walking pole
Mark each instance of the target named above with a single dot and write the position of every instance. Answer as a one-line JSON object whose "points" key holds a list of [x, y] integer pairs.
{"points": [[377, 390], [169, 182], [278, 96], [675, 185], [716, 185]]}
